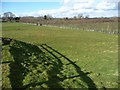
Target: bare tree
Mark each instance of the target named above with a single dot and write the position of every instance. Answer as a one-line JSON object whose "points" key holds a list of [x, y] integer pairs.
{"points": [[80, 16], [9, 16], [87, 16], [75, 17]]}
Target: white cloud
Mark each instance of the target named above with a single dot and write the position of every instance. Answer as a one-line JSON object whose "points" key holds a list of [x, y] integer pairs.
{"points": [[76, 1], [105, 5], [30, 0], [71, 8], [113, 1]]}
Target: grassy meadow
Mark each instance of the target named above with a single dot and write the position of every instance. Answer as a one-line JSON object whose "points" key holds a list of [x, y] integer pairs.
{"points": [[24, 60]]}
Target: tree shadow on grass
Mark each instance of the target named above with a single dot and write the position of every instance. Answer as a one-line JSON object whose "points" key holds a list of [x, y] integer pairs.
{"points": [[33, 68], [91, 85]]}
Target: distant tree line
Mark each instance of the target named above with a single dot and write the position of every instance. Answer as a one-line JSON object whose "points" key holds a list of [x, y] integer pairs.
{"points": [[10, 17]]}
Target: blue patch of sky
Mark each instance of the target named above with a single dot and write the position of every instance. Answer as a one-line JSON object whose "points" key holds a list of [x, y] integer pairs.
{"points": [[96, 2], [18, 7]]}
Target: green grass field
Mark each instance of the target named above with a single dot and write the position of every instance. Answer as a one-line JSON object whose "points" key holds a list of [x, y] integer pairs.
{"points": [[94, 53]]}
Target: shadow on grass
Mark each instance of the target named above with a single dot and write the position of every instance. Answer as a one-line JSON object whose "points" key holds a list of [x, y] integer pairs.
{"points": [[29, 62], [33, 68], [85, 78], [6, 62]]}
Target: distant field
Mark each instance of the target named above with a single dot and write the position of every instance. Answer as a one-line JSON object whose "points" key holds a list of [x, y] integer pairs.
{"points": [[93, 52]]}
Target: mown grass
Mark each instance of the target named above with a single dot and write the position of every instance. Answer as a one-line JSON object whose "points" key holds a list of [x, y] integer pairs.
{"points": [[92, 51]]}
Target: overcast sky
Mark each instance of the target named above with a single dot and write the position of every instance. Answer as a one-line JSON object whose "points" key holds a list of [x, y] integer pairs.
{"points": [[61, 8]]}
